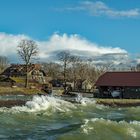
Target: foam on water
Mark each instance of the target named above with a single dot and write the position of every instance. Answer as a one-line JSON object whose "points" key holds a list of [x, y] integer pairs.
{"points": [[83, 100], [128, 128], [45, 102], [39, 103], [85, 120]]}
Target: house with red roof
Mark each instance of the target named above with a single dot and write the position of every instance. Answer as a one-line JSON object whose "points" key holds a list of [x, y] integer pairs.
{"points": [[119, 85]]}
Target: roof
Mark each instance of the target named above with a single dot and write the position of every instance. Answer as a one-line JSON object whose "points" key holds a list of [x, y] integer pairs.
{"points": [[119, 79], [20, 69], [87, 82], [6, 79]]}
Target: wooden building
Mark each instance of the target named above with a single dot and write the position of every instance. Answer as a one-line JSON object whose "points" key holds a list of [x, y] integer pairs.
{"points": [[87, 85], [19, 70], [119, 85], [6, 82]]}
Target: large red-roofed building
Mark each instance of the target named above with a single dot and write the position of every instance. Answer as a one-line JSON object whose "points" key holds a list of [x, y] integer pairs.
{"points": [[119, 84]]}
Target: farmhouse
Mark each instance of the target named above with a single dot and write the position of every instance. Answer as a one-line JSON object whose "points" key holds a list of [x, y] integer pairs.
{"points": [[119, 84], [81, 85], [18, 70]]}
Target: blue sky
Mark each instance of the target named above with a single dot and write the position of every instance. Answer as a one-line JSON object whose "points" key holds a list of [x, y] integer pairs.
{"points": [[114, 23]]}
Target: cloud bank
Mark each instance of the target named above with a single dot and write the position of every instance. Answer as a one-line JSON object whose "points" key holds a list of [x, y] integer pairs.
{"points": [[74, 43], [99, 8], [77, 45]]}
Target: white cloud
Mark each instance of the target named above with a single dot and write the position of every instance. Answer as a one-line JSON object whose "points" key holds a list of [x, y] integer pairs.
{"points": [[99, 8], [9, 42], [76, 44], [8, 45]]}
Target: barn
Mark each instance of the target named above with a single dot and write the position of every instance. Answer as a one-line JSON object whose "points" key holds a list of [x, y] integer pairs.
{"points": [[119, 85]]}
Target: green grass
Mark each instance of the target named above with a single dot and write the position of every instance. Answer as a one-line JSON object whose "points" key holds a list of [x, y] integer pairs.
{"points": [[119, 102], [18, 79], [18, 90]]}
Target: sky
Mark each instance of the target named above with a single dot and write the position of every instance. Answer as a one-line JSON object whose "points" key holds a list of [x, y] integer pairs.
{"points": [[100, 27]]}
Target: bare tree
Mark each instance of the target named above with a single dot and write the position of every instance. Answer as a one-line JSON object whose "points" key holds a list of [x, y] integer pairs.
{"points": [[65, 58], [104, 67], [27, 50], [75, 60], [137, 68], [53, 69]]}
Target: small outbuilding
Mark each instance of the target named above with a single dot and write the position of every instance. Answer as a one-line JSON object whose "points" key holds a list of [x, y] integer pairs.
{"points": [[87, 85], [119, 85]]}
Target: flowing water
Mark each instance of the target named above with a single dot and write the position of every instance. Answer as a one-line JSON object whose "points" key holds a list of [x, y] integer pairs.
{"points": [[52, 118]]}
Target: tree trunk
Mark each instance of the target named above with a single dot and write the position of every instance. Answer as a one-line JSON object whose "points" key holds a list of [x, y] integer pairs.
{"points": [[65, 65], [74, 79], [26, 78]]}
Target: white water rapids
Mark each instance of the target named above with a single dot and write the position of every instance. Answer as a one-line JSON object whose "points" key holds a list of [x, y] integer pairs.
{"points": [[53, 117]]}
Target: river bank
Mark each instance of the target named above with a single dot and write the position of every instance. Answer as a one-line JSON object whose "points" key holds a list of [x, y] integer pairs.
{"points": [[19, 91], [119, 102], [11, 103]]}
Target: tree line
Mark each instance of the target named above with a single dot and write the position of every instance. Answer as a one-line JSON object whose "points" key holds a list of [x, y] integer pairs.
{"points": [[68, 67]]}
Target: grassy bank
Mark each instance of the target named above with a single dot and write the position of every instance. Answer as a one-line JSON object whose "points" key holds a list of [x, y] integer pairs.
{"points": [[11, 103], [119, 102], [17, 90]]}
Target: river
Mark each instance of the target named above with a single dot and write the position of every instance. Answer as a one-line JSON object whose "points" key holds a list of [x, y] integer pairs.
{"points": [[52, 118]]}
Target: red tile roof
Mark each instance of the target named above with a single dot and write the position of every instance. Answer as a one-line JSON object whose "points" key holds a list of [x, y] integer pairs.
{"points": [[119, 79]]}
